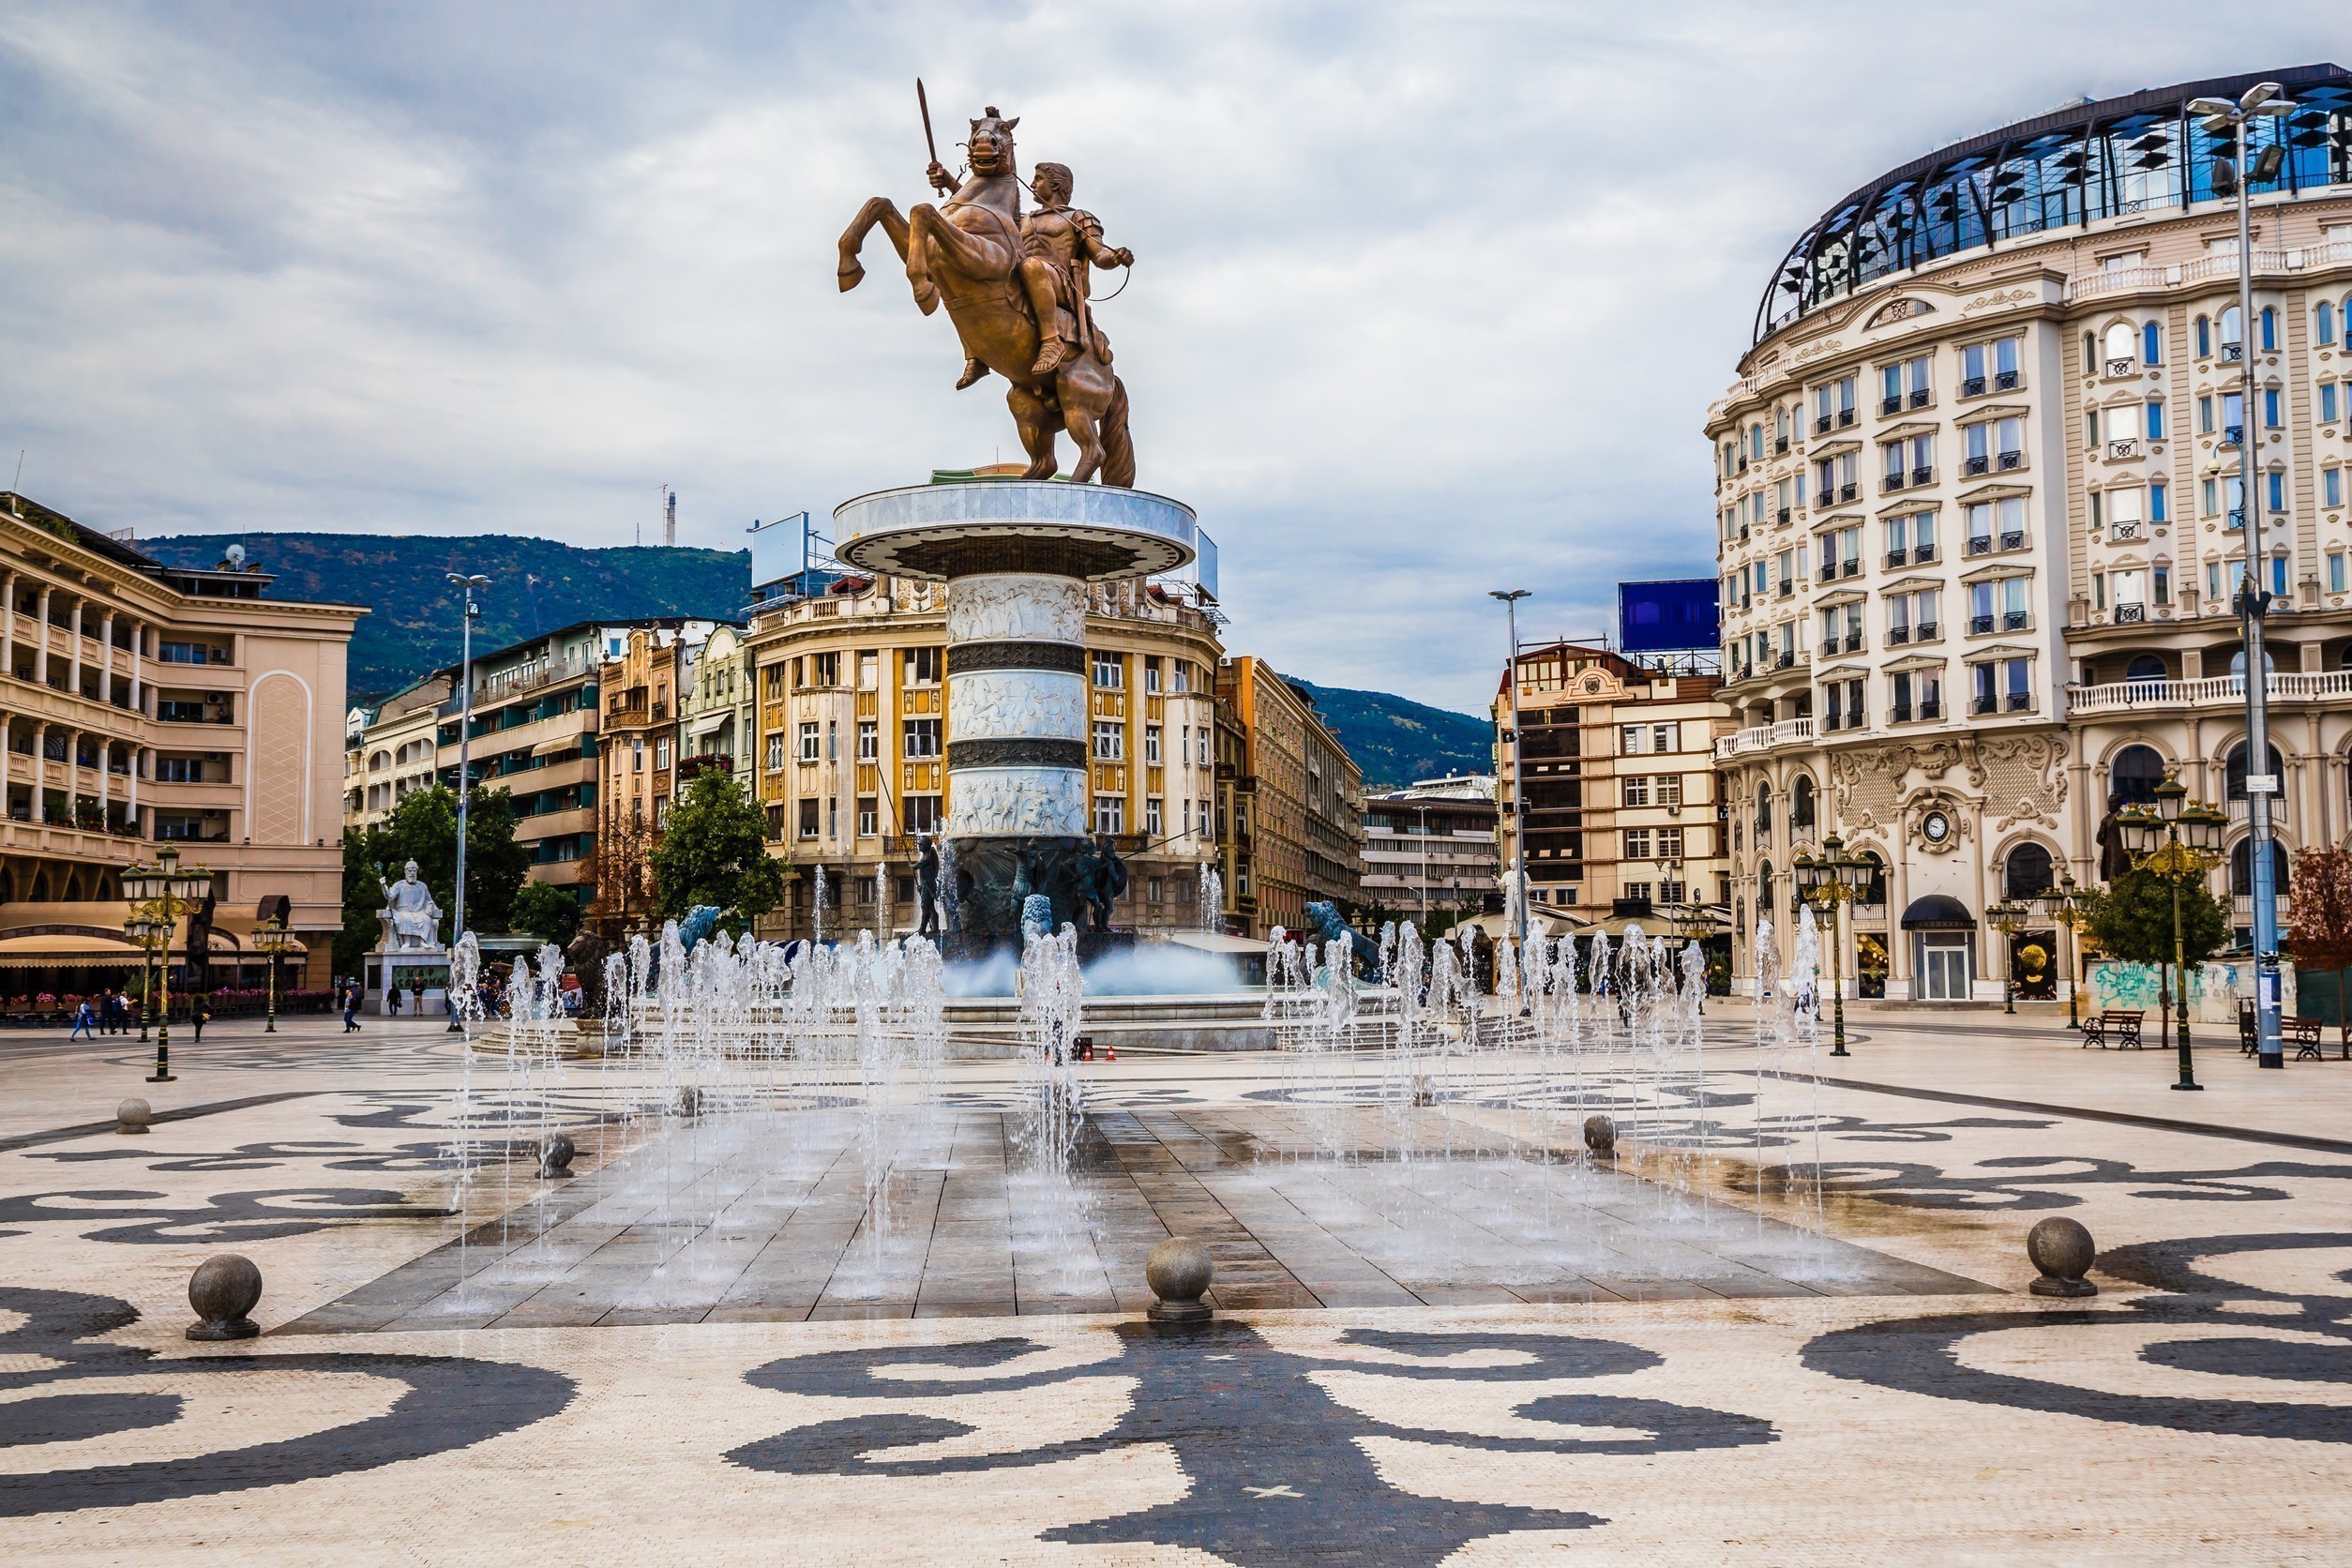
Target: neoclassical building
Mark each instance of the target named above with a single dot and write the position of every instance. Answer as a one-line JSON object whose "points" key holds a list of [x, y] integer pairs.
{"points": [[1980, 517]]}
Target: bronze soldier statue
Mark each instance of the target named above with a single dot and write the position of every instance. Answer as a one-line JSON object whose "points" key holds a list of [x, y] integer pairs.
{"points": [[1060, 245]]}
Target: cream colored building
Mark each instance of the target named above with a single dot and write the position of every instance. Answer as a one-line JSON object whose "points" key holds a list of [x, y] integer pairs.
{"points": [[147, 704], [1618, 761], [716, 714], [853, 723], [1980, 524], [393, 752]]}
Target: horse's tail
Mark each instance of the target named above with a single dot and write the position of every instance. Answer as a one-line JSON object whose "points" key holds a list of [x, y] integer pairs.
{"points": [[1118, 448]]}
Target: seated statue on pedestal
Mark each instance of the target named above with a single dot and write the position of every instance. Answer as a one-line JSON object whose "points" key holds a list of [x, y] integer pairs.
{"points": [[411, 921]]}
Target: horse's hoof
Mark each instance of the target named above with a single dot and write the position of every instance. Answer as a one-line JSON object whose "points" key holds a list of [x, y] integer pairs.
{"points": [[851, 275], [926, 298]]}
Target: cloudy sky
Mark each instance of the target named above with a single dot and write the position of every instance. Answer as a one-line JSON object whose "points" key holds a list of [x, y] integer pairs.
{"points": [[1429, 300]]}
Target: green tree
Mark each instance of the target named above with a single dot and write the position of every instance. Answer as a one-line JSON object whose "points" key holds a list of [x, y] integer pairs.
{"points": [[714, 850], [545, 910], [361, 900], [2131, 919]]}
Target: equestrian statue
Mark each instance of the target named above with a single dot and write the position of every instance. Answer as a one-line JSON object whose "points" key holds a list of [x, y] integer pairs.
{"points": [[1019, 289]]}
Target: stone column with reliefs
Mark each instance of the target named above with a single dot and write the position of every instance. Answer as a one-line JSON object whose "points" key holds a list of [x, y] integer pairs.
{"points": [[1018, 556]]}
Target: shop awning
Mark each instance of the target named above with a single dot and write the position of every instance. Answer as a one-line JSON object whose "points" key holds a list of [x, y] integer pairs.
{"points": [[1937, 912], [57, 950], [562, 745]]}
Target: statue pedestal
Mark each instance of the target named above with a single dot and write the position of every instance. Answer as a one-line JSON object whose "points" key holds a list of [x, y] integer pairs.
{"points": [[1021, 559], [410, 969]]}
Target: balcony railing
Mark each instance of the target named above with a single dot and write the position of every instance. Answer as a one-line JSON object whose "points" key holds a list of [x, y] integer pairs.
{"points": [[1980, 624], [1847, 492], [1920, 397], [1972, 387], [1853, 643], [2120, 532], [2127, 447], [2014, 539], [1986, 705], [2121, 367], [1891, 406], [1844, 417], [1897, 557], [2233, 353], [1980, 544], [1786, 513], [2020, 701], [1898, 713], [1921, 555], [1851, 567], [2011, 460], [1829, 647], [1922, 476], [2125, 613], [1927, 632], [2012, 620], [1978, 465], [2215, 691], [1780, 445], [1897, 636], [1931, 707], [1763, 737]]}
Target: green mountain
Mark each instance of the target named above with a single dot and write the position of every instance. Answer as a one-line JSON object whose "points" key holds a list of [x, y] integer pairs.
{"points": [[1395, 742], [536, 585]]}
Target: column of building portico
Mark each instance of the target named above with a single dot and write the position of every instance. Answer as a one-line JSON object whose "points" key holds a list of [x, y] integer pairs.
{"points": [[40, 651], [130, 805], [106, 658], [36, 815], [138, 645], [73, 662], [8, 624], [1900, 979]]}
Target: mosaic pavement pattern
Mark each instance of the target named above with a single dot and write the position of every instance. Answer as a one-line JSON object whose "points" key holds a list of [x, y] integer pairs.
{"points": [[1712, 1379]]}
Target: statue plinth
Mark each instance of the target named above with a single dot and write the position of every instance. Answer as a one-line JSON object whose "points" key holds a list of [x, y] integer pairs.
{"points": [[412, 970], [1018, 556]]}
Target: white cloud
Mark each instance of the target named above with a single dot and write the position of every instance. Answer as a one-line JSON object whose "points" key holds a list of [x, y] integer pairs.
{"points": [[1429, 300]]}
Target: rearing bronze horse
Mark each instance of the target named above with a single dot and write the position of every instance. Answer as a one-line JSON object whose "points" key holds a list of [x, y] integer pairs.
{"points": [[967, 251]]}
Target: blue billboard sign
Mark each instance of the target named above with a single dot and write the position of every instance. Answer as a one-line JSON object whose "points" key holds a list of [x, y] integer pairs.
{"points": [[1670, 616]]}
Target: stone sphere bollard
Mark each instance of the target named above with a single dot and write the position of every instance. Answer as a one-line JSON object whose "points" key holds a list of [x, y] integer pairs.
{"points": [[132, 1116], [1179, 1271], [555, 1158], [223, 1291], [2063, 1251], [1600, 1137]]}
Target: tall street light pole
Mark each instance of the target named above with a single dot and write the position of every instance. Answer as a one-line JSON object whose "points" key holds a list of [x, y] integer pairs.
{"points": [[1518, 896], [2179, 842], [466, 584], [2222, 117]]}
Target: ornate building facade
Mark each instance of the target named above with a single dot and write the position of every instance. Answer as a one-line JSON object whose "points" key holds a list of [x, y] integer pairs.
{"points": [[1981, 523], [1296, 803], [853, 718]]}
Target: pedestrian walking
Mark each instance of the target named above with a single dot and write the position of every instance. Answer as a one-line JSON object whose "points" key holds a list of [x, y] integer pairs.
{"points": [[392, 1000], [199, 1011], [351, 1009], [123, 1017], [84, 1022]]}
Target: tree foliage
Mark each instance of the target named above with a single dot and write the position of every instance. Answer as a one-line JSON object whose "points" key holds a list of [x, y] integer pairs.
{"points": [[714, 850], [423, 827], [548, 911], [620, 871], [2320, 934], [2131, 919]]}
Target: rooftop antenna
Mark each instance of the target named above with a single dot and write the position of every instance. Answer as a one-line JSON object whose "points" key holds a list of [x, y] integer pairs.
{"points": [[668, 515], [16, 486]]}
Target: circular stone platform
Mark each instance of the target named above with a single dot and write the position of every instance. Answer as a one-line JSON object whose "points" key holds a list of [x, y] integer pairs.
{"points": [[1096, 532]]}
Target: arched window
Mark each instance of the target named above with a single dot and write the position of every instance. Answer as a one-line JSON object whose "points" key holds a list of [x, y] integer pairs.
{"points": [[1875, 892], [2146, 666], [2153, 344], [2119, 343], [2269, 320], [2237, 663], [2324, 321], [2233, 333], [1801, 802], [1763, 814], [2026, 873], [1764, 905], [2235, 770], [2205, 338], [2242, 867], [2134, 774]]}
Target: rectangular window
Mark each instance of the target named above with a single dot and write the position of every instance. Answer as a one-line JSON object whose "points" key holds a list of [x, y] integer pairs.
{"points": [[1152, 816], [1669, 788], [661, 753], [2156, 419], [2335, 571], [637, 756], [920, 666], [868, 670], [2019, 693], [2278, 575], [2277, 487], [1110, 741], [1152, 744], [1181, 677], [1635, 739], [2156, 506], [2152, 343], [2204, 417], [1111, 813], [1637, 790], [1204, 755], [1637, 843], [918, 739], [2271, 407], [2326, 403], [868, 817], [1670, 844], [2331, 486], [1110, 672], [775, 752], [868, 740], [922, 813], [2163, 576], [2213, 580], [1152, 673], [825, 669], [808, 818]]}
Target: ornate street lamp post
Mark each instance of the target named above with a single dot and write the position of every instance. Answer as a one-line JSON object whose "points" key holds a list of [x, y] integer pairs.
{"points": [[2007, 919], [168, 893], [2065, 904], [150, 934], [1828, 880], [272, 939], [2179, 842]]}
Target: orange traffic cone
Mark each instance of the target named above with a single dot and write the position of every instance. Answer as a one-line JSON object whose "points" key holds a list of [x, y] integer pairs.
{"points": [[1111, 1052]]}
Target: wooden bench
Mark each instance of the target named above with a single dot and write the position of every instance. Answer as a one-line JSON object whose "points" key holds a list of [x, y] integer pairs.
{"points": [[2124, 1026], [2305, 1033]]}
